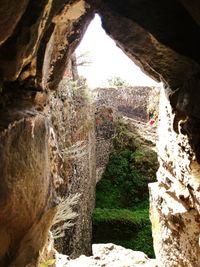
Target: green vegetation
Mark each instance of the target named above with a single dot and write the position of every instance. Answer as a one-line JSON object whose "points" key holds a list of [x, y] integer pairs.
{"points": [[127, 228], [116, 82], [121, 215], [133, 217]]}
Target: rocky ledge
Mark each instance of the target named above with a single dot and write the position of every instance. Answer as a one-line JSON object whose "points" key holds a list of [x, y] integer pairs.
{"points": [[108, 255]]}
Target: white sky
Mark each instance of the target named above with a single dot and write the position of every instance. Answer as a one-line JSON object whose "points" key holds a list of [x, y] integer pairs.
{"points": [[107, 59]]}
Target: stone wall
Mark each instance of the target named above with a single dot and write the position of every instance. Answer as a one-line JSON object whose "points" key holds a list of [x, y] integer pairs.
{"points": [[111, 105], [133, 102]]}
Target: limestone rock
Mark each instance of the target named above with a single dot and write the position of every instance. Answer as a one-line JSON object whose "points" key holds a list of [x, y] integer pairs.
{"points": [[174, 198], [132, 102], [36, 39], [129, 104], [10, 14], [70, 25], [26, 199], [73, 121], [104, 132], [153, 57], [175, 229], [109, 255]]}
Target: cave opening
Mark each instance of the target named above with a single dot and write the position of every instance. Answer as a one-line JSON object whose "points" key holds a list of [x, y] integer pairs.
{"points": [[48, 134], [125, 103]]}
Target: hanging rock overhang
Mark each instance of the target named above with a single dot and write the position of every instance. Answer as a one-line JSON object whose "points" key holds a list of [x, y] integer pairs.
{"points": [[36, 40]]}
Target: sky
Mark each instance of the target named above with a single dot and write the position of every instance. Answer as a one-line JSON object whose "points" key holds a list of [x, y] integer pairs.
{"points": [[107, 60]]}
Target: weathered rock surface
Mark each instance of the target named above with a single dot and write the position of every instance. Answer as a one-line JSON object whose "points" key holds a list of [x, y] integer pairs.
{"points": [[11, 14], [36, 39], [70, 25], [73, 120], [22, 54], [25, 219], [108, 255], [174, 198], [104, 132]]}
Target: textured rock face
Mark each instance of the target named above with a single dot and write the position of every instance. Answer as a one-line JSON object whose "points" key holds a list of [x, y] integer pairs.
{"points": [[36, 39], [25, 145], [151, 35], [104, 132], [26, 38], [11, 13], [109, 255], [69, 27], [29, 156], [175, 197], [73, 120]]}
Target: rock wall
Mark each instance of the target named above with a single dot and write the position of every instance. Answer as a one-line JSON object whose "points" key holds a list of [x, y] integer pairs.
{"points": [[73, 120], [26, 142], [36, 40], [109, 255], [84, 134], [104, 132], [30, 50], [174, 198]]}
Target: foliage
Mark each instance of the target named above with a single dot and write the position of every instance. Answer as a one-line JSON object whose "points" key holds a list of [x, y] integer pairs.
{"points": [[137, 217], [131, 167], [124, 140], [131, 229], [121, 215], [122, 182], [117, 82]]}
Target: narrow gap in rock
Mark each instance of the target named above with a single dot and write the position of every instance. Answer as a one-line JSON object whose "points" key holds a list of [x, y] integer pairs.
{"points": [[106, 114]]}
